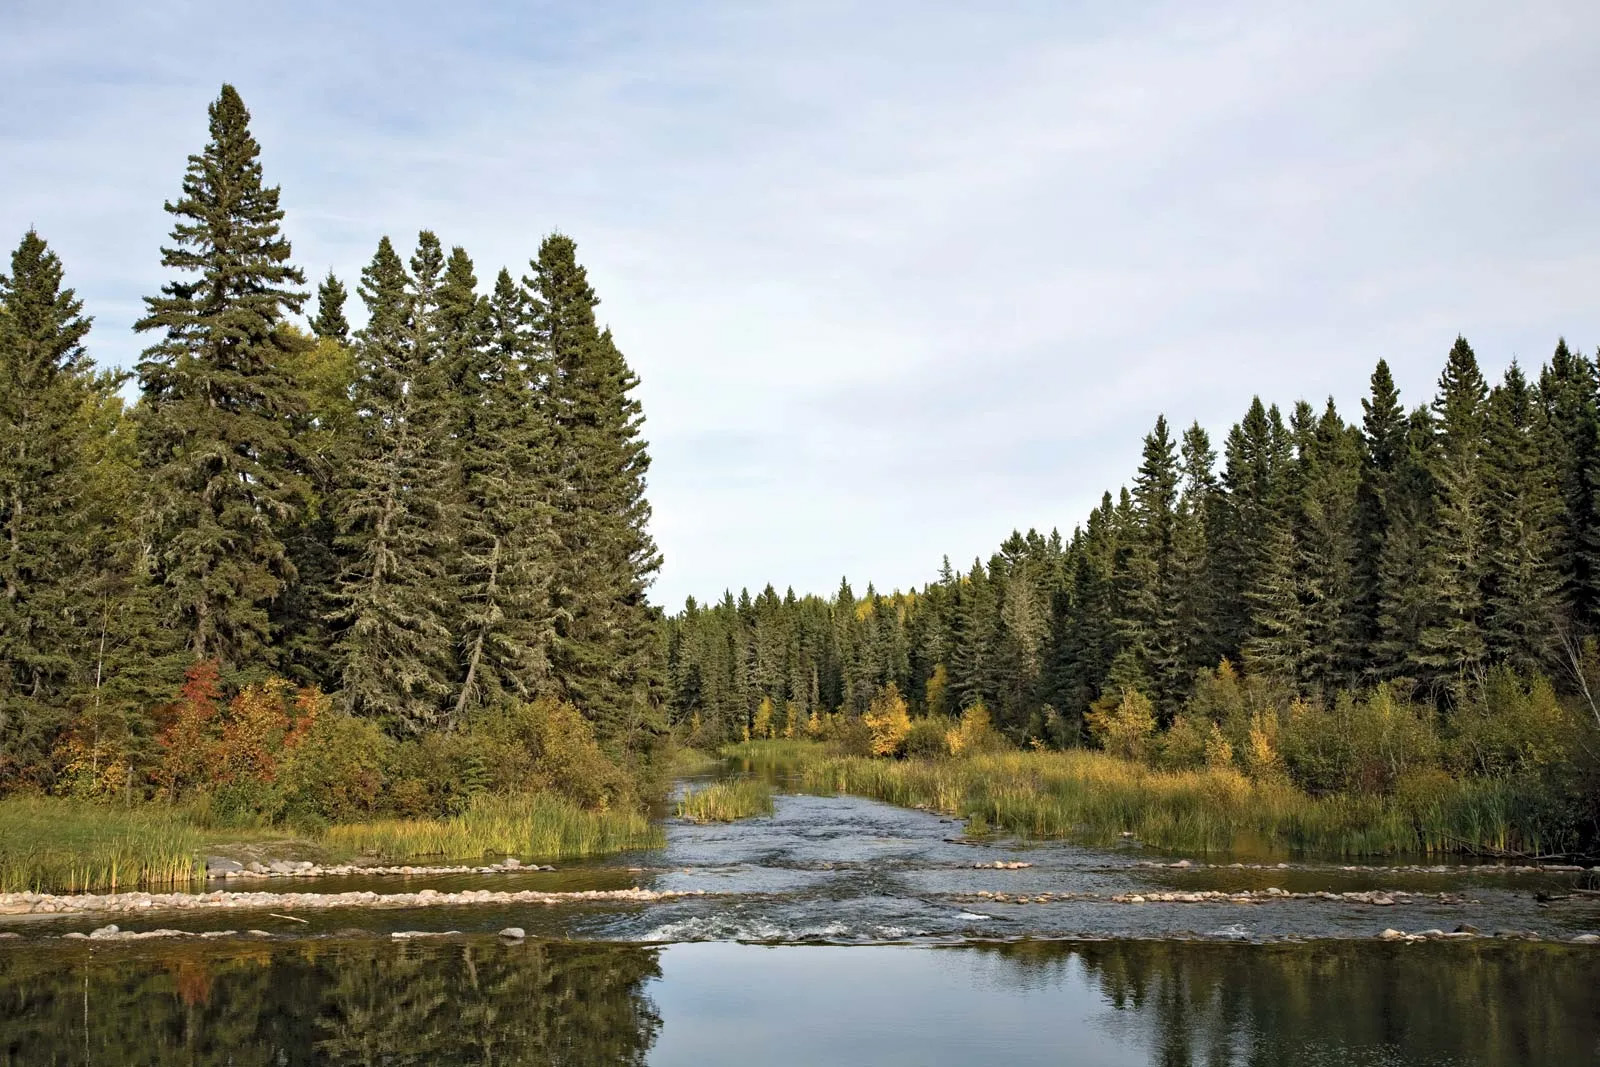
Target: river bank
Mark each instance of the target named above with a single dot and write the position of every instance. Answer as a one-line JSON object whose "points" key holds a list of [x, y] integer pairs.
{"points": [[1098, 799], [52, 844]]}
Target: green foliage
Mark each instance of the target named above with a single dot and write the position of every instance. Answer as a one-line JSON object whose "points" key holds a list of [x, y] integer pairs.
{"points": [[217, 406], [603, 648]]}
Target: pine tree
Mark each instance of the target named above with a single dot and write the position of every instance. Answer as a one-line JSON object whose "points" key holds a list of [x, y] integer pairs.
{"points": [[1406, 607], [1277, 646], [604, 651], [503, 569], [330, 323], [1194, 561], [1567, 392], [396, 654], [215, 416], [1329, 531], [1451, 640], [1150, 623], [1523, 505], [1384, 451], [46, 510], [1257, 456]]}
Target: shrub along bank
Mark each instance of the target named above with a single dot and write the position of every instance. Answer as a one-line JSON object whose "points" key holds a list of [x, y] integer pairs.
{"points": [[1510, 770]]}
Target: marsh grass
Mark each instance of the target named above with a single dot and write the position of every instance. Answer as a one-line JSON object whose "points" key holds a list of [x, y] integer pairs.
{"points": [[53, 845], [727, 801], [538, 825], [1096, 798], [63, 846]]}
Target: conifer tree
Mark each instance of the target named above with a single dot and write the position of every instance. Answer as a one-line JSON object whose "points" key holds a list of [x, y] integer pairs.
{"points": [[1567, 392], [1257, 453], [1277, 646], [1329, 531], [503, 569], [1450, 644], [396, 654], [330, 323], [1406, 607], [604, 649], [1149, 602], [1523, 506], [215, 418], [1384, 451], [1194, 561], [45, 507]]}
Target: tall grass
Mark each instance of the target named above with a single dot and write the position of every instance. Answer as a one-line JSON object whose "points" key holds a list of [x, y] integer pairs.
{"points": [[727, 801], [63, 846], [1095, 798], [537, 825]]}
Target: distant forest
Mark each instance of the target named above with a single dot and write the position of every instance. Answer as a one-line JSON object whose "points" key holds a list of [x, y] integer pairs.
{"points": [[1420, 549], [440, 512]]}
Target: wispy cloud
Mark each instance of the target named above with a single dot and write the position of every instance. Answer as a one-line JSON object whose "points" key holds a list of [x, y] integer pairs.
{"points": [[898, 277]]}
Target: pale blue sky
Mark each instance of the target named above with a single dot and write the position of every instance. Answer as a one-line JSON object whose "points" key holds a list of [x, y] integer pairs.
{"points": [[897, 277]]}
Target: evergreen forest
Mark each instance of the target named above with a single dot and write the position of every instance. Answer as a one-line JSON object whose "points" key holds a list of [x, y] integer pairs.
{"points": [[303, 568], [401, 553]]}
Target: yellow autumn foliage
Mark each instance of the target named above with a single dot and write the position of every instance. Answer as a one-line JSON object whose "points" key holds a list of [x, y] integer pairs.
{"points": [[889, 721]]}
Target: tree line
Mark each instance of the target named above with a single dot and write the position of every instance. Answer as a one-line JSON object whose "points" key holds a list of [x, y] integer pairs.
{"points": [[439, 512], [1419, 549]]}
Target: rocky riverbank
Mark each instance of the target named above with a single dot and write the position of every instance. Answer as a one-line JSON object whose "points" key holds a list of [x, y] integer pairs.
{"points": [[136, 903], [222, 867]]}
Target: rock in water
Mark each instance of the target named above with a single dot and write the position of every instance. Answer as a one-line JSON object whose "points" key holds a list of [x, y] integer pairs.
{"points": [[513, 933], [222, 865]]}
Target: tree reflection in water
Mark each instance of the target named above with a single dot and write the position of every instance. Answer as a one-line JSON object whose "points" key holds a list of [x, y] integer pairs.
{"points": [[333, 1002], [477, 1001], [1205, 1004]]}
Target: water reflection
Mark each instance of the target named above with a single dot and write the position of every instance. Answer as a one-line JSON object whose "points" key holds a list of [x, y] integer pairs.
{"points": [[1212, 1004], [475, 1001], [328, 1002]]}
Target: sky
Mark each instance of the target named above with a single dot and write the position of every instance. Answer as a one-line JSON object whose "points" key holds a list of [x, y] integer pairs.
{"points": [[897, 278]]}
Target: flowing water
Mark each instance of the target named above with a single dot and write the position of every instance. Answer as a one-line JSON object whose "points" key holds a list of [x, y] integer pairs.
{"points": [[840, 931]]}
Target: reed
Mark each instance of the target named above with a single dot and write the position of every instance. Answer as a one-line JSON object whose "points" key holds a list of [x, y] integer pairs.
{"points": [[61, 846], [1096, 798], [726, 801], [539, 825]]}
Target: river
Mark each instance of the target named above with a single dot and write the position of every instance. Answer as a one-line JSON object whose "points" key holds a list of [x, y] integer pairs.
{"points": [[844, 931]]}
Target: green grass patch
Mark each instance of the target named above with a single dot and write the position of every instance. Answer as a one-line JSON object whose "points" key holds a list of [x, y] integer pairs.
{"points": [[727, 801], [52, 845], [1095, 798], [539, 825]]}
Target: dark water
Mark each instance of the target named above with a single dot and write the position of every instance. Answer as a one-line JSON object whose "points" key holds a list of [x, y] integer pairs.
{"points": [[473, 1000], [839, 931]]}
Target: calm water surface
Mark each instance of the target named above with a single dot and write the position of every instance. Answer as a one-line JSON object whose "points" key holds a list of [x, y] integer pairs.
{"points": [[838, 931]]}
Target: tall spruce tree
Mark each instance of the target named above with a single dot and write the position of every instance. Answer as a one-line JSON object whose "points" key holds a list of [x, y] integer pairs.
{"points": [[503, 569], [1451, 640], [1523, 507], [217, 407], [1150, 624], [329, 324], [604, 651], [396, 651], [1568, 389], [1406, 607], [1378, 496], [45, 505], [1328, 544]]}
